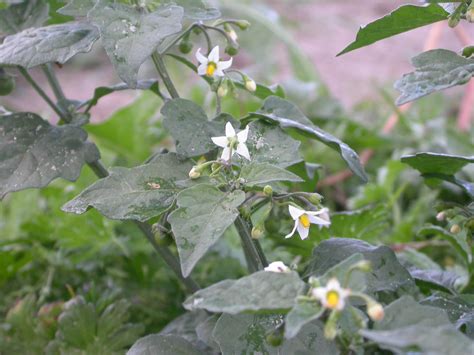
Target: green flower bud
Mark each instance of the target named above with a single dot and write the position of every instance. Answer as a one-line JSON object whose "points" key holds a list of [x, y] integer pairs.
{"points": [[315, 198], [363, 265], [232, 49], [268, 190], [222, 90], [194, 173], [257, 232], [250, 84], [243, 24]]}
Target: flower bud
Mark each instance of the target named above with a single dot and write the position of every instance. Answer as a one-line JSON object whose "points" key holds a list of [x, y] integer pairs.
{"points": [[230, 32], [250, 84], [243, 24], [441, 216], [268, 190], [222, 90], [194, 173], [257, 232], [232, 49], [375, 311], [455, 229], [7, 83], [314, 198], [185, 47], [330, 329], [363, 265], [470, 13]]}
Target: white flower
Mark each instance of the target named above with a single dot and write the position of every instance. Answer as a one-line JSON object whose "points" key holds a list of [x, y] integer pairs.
{"points": [[303, 219], [333, 296], [212, 66], [277, 266], [233, 143]]}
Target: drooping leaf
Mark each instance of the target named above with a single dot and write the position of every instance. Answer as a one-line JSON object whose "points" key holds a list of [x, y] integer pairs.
{"points": [[260, 291], [247, 334], [437, 163], [387, 275], [22, 15], [435, 70], [438, 279], [196, 10], [163, 345], [33, 152], [403, 19], [270, 144], [261, 174], [288, 116], [203, 215], [79, 8], [190, 127], [130, 36], [141, 193], [301, 314]]}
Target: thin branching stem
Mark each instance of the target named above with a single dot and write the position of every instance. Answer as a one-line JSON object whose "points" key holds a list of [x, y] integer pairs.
{"points": [[163, 72]]}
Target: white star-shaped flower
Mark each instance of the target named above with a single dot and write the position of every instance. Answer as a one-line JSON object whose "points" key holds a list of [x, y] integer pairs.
{"points": [[233, 142], [211, 65], [277, 266], [303, 220], [333, 296]]}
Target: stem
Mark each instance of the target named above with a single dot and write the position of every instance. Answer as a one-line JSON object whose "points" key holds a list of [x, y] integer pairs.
{"points": [[254, 257], [53, 81], [40, 91], [101, 171], [176, 40], [161, 68]]}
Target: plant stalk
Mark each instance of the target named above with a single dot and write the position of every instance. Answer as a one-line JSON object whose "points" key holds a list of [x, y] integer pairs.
{"points": [[161, 68], [256, 262]]}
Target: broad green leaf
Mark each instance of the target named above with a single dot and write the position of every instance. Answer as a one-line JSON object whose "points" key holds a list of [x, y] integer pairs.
{"points": [[262, 174], [458, 240], [356, 279], [438, 279], [408, 325], [196, 10], [33, 152], [190, 127], [128, 131], [141, 193], [77, 8], [387, 275], [403, 19], [130, 36], [437, 163], [203, 216], [22, 15], [156, 344], [261, 291], [435, 70], [301, 314], [270, 144], [56, 43], [247, 334], [288, 116]]}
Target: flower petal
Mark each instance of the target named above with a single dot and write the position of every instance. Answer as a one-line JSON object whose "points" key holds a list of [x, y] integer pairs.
{"points": [[277, 266], [293, 231], [220, 141], [229, 130], [333, 284], [242, 135], [226, 154], [242, 150], [218, 72], [201, 59], [319, 212], [319, 293], [214, 55], [202, 69], [341, 304], [295, 212], [303, 232], [224, 64], [318, 220]]}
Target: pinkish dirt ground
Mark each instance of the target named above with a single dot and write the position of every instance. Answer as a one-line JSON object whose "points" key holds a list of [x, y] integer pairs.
{"points": [[326, 27]]}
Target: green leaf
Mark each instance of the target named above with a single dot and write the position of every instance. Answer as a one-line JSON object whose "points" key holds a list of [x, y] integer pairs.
{"points": [[409, 325], [56, 43], [128, 131], [77, 8], [247, 334], [33, 152], [130, 36], [156, 344], [356, 279], [190, 127], [203, 216], [288, 116], [270, 144], [438, 279], [197, 10], [301, 314], [261, 291], [141, 193], [435, 70], [437, 163], [25, 14], [403, 19], [262, 174], [458, 240], [387, 276]]}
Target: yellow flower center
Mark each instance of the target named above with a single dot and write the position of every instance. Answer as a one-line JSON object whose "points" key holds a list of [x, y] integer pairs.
{"points": [[304, 220], [211, 68], [332, 299]]}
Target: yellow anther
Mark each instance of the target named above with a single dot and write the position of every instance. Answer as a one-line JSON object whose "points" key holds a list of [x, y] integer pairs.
{"points": [[304, 220], [211, 68], [332, 299]]}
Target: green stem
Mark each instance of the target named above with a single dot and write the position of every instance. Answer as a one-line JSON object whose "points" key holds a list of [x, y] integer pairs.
{"points": [[101, 171], [176, 40], [161, 68], [53, 81], [253, 256]]}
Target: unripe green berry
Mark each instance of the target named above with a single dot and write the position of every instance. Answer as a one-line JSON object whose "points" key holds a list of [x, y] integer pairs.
{"points": [[185, 47], [7, 83], [242, 24], [274, 339], [268, 190], [468, 51], [232, 49]]}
